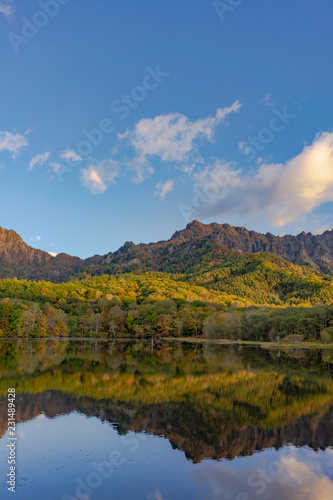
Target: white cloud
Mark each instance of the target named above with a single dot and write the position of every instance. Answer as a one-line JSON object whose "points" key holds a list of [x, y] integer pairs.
{"points": [[38, 160], [244, 147], [267, 100], [30, 130], [53, 254], [7, 8], [212, 180], [12, 142], [158, 495], [268, 475], [35, 238], [281, 192], [164, 188], [322, 229], [172, 137], [56, 167], [142, 169], [70, 155], [98, 178]]}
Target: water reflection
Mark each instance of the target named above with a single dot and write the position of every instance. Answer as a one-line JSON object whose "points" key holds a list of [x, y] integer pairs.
{"points": [[219, 405]]}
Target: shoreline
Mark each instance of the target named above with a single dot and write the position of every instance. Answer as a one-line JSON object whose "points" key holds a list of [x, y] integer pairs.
{"points": [[280, 345], [191, 340]]}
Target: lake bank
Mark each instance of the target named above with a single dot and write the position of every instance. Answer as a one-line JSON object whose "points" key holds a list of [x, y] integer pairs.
{"points": [[267, 345]]}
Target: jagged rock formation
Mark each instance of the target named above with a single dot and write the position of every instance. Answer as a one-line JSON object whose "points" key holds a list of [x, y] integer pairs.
{"points": [[188, 248], [197, 245]]}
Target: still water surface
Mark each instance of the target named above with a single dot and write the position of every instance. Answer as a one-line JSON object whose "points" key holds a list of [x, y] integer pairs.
{"points": [[124, 420]]}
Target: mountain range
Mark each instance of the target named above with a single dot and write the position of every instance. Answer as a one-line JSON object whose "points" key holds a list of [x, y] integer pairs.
{"points": [[194, 248]]}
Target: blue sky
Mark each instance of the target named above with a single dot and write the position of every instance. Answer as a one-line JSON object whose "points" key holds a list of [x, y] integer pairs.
{"points": [[125, 120]]}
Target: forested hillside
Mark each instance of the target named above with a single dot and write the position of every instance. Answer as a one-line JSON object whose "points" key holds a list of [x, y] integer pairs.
{"points": [[154, 304], [191, 285]]}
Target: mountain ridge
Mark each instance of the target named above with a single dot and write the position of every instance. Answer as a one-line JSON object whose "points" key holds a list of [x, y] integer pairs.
{"points": [[196, 245], [20, 260], [304, 249]]}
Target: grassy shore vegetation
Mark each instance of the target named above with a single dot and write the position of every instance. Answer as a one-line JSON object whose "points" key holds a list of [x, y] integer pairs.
{"points": [[257, 298]]}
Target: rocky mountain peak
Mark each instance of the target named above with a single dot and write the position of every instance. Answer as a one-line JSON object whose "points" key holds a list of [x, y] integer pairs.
{"points": [[185, 250]]}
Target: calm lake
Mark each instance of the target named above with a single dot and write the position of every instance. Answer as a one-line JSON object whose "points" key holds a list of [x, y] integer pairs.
{"points": [[166, 421]]}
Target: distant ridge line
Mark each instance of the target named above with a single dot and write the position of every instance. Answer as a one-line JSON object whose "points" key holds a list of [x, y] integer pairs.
{"points": [[181, 251]]}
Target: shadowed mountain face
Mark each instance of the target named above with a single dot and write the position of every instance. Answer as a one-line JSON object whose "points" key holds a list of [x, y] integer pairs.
{"points": [[196, 246], [19, 260], [209, 401]]}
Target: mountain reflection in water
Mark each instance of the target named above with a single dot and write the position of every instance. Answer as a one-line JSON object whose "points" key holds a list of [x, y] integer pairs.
{"points": [[210, 402]]}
